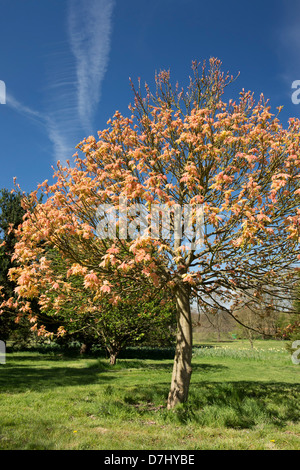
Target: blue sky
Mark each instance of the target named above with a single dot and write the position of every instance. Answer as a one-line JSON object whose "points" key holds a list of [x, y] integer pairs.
{"points": [[66, 65]]}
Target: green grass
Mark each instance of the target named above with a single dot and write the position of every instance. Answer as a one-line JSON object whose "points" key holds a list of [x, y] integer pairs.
{"points": [[240, 398]]}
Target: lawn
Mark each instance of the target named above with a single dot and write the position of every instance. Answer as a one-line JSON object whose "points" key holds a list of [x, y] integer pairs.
{"points": [[240, 398]]}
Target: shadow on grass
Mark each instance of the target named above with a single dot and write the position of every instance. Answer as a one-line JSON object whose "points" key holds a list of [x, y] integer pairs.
{"points": [[43, 371], [157, 365], [242, 404], [236, 405], [15, 379]]}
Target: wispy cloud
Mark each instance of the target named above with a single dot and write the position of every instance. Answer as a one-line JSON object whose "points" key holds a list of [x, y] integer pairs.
{"points": [[13, 103], [60, 141], [89, 28], [288, 42], [76, 71]]}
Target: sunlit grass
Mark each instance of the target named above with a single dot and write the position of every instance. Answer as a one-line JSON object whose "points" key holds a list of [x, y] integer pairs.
{"points": [[262, 350], [240, 398]]}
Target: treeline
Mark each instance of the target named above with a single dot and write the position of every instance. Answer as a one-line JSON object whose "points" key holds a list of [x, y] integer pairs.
{"points": [[220, 326]]}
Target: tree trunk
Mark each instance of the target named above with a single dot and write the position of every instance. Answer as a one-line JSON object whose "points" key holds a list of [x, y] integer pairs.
{"points": [[182, 368], [112, 359], [113, 352]]}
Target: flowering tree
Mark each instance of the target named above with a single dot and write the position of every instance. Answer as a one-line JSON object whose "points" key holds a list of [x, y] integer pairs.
{"points": [[70, 304], [177, 150], [11, 214]]}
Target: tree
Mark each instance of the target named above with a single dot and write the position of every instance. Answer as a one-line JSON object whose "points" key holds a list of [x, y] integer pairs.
{"points": [[81, 311], [178, 150], [263, 315], [127, 324], [70, 306], [11, 215], [290, 328]]}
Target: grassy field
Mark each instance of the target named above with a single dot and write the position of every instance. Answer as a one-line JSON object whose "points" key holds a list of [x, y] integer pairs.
{"points": [[240, 398]]}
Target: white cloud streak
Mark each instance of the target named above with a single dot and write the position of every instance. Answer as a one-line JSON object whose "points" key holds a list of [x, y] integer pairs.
{"points": [[288, 43], [76, 86], [13, 103], [75, 77], [89, 27], [60, 142]]}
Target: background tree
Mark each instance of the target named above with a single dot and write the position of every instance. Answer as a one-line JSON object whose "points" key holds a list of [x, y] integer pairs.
{"points": [[213, 324], [71, 307], [11, 216], [264, 313], [290, 327], [181, 148], [218, 320]]}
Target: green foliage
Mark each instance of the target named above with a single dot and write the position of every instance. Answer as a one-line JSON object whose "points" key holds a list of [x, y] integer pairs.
{"points": [[11, 215], [142, 317]]}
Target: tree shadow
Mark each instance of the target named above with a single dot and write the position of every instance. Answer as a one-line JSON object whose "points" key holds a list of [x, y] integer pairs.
{"points": [[208, 368], [40, 372], [244, 404], [21, 360], [19, 378], [236, 405], [165, 366]]}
